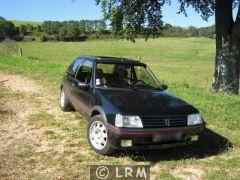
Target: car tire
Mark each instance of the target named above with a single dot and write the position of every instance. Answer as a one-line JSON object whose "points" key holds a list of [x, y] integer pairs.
{"points": [[64, 102], [99, 142]]}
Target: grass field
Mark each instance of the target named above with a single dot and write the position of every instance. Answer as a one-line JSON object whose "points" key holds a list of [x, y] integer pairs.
{"points": [[185, 64], [192, 58]]}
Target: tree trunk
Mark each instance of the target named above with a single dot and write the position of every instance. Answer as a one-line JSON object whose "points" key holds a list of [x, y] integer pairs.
{"points": [[226, 77]]}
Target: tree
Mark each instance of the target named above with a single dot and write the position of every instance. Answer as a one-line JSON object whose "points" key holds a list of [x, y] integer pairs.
{"points": [[167, 26], [174, 31], [29, 29], [7, 29], [63, 33], [72, 31], [69, 32], [38, 28], [128, 18], [207, 32], [192, 31], [51, 27], [23, 30]]}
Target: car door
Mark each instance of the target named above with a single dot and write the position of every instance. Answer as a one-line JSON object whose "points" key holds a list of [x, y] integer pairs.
{"points": [[84, 95], [70, 81]]}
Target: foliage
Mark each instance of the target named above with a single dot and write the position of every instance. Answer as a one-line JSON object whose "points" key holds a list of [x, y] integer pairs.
{"points": [[90, 29], [43, 38], [129, 18], [51, 27], [69, 32], [174, 31], [192, 31], [26, 29], [208, 32], [7, 29]]}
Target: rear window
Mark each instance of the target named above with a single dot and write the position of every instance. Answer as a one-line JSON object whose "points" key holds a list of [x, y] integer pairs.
{"points": [[106, 68]]}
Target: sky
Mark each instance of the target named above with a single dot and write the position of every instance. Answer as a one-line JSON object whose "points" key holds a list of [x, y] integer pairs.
{"points": [[60, 10]]}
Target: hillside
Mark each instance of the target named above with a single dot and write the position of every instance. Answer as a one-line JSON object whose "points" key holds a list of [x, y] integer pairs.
{"points": [[18, 23]]}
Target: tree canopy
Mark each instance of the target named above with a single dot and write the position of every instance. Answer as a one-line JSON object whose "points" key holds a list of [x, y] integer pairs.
{"points": [[129, 18], [7, 29]]}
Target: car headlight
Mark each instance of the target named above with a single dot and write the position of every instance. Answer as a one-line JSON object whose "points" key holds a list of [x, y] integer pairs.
{"points": [[194, 119], [128, 121]]}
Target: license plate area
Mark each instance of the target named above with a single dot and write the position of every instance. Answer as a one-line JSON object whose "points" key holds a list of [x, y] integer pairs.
{"points": [[167, 138]]}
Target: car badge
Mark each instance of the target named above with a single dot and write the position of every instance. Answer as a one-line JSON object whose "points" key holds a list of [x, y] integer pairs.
{"points": [[167, 122]]}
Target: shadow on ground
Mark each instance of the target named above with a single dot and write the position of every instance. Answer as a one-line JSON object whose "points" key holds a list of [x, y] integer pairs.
{"points": [[210, 143], [5, 112]]}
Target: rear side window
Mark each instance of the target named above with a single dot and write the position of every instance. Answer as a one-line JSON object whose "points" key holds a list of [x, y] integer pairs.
{"points": [[85, 72], [106, 68], [73, 69]]}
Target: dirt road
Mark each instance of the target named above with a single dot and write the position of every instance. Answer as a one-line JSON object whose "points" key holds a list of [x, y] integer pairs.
{"points": [[35, 140]]}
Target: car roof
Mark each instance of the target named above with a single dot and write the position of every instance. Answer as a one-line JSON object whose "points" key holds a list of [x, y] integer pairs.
{"points": [[106, 59]]}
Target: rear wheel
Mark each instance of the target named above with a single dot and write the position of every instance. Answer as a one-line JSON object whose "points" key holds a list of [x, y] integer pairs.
{"points": [[64, 102], [98, 136]]}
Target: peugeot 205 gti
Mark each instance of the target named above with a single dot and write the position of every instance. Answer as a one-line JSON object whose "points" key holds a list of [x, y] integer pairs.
{"points": [[127, 107]]}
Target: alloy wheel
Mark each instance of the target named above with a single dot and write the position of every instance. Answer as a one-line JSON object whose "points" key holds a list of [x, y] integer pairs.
{"points": [[98, 135]]}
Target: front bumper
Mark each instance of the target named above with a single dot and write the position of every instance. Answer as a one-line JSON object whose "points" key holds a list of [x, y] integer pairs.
{"points": [[152, 138]]}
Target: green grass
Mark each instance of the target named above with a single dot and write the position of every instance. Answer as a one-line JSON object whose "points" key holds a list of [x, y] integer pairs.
{"points": [[187, 60], [185, 64]]}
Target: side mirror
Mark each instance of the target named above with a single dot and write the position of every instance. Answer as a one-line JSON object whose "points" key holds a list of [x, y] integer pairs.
{"points": [[83, 85], [164, 86]]}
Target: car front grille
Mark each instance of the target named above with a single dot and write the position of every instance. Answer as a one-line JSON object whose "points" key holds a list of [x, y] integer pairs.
{"points": [[164, 121]]}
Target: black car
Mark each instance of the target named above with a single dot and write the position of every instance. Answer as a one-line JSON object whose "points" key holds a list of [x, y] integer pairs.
{"points": [[127, 106]]}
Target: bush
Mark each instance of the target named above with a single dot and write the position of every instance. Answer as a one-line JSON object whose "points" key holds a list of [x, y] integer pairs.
{"points": [[10, 47], [44, 38], [29, 38], [7, 29], [18, 38], [69, 32], [192, 31]]}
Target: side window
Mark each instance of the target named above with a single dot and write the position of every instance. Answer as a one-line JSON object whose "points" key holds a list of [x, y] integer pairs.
{"points": [[74, 67], [85, 72]]}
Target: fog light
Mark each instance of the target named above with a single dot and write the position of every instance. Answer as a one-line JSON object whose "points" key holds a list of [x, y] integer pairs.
{"points": [[126, 143], [194, 138]]}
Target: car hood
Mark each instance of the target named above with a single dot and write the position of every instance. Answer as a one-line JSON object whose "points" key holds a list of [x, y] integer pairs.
{"points": [[145, 102]]}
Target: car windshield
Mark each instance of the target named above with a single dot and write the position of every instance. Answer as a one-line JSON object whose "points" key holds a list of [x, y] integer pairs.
{"points": [[124, 76]]}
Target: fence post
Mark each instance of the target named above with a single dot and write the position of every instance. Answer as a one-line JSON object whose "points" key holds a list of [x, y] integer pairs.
{"points": [[139, 58], [20, 52]]}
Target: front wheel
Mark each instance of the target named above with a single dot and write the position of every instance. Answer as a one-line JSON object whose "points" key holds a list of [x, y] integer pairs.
{"points": [[98, 137], [64, 102]]}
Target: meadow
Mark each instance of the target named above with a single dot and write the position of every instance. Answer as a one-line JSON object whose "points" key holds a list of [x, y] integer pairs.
{"points": [[185, 64], [187, 60]]}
